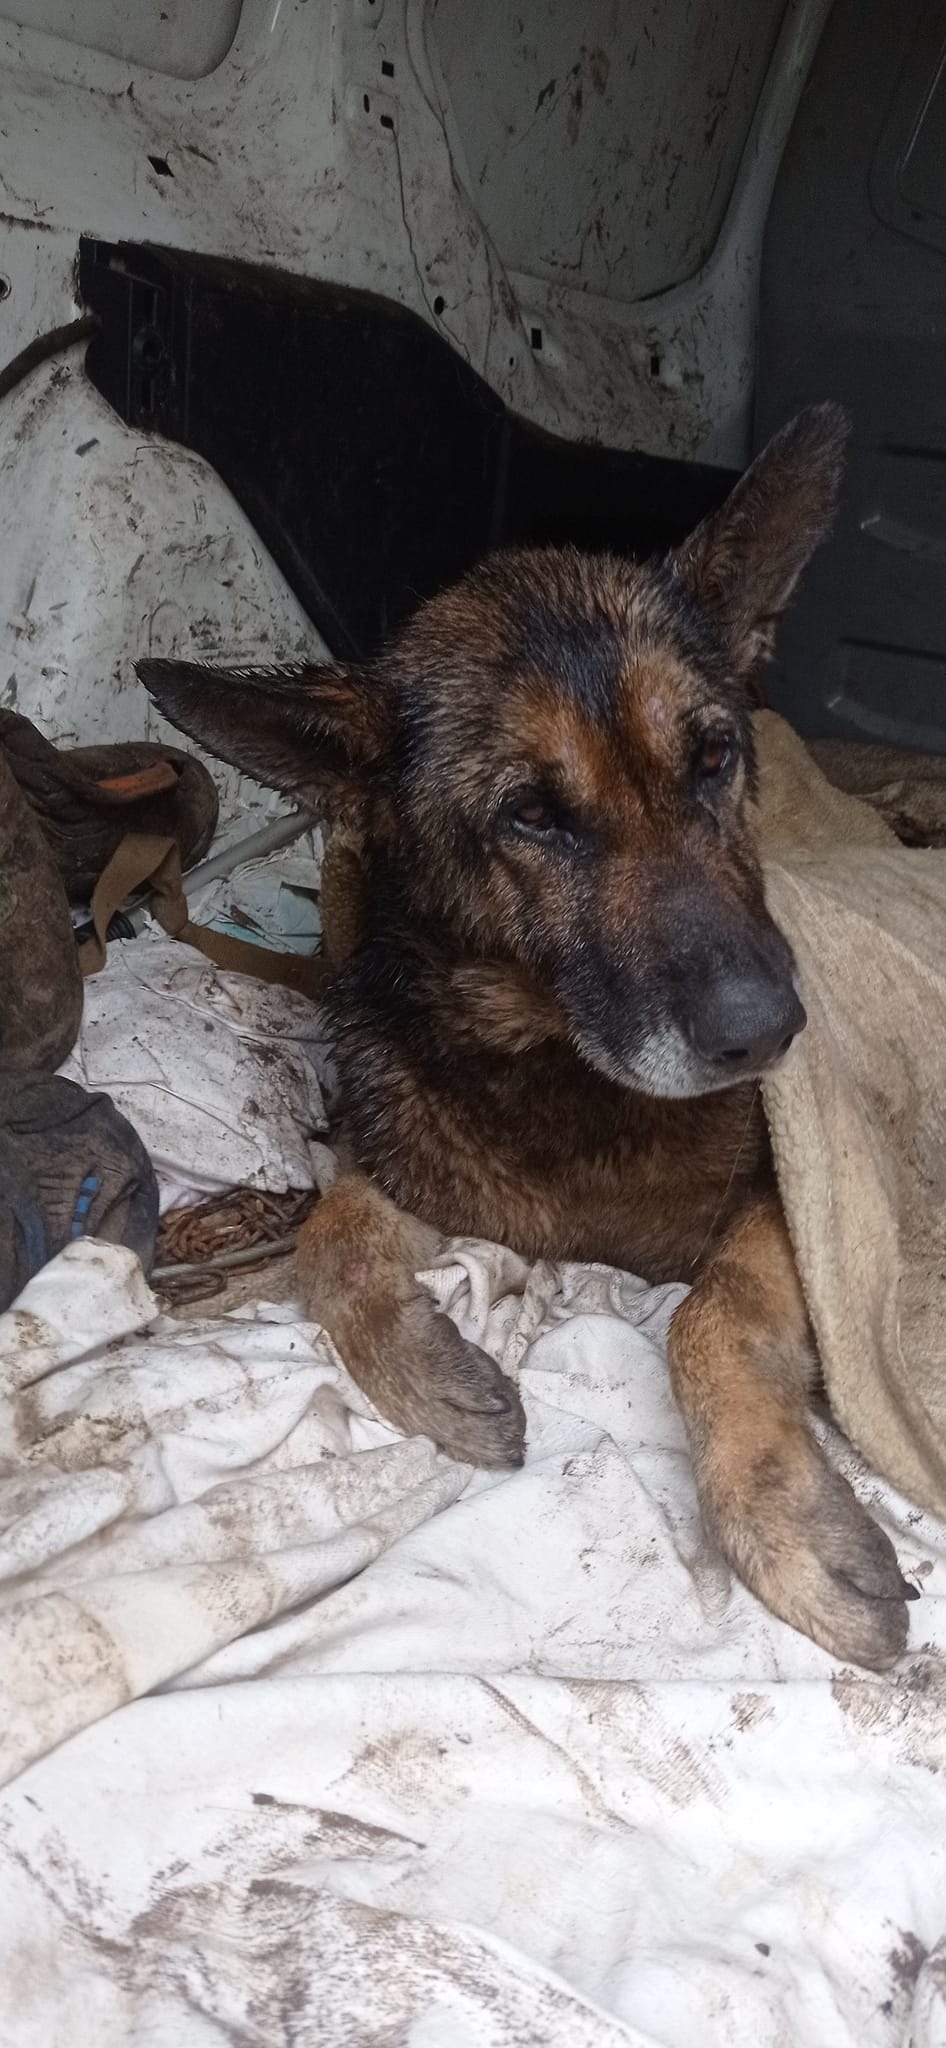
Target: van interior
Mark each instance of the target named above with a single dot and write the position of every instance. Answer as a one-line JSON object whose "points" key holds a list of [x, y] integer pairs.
{"points": [[306, 306]]}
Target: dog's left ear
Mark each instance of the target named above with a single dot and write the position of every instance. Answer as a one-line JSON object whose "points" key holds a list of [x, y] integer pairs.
{"points": [[743, 562]]}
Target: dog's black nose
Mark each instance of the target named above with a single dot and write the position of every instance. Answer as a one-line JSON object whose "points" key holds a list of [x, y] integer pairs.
{"points": [[743, 1022]]}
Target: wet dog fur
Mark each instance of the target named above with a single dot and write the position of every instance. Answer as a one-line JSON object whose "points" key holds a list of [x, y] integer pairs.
{"points": [[556, 986]]}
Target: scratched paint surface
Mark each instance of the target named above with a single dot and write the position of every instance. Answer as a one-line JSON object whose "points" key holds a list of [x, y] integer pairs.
{"points": [[117, 545], [412, 150], [602, 141], [417, 151], [173, 36]]}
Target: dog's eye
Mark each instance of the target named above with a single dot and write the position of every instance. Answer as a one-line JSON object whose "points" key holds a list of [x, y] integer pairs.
{"points": [[534, 815], [715, 753]]}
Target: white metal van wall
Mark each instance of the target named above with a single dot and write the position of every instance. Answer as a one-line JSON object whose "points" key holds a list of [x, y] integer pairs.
{"points": [[181, 38], [573, 196]]}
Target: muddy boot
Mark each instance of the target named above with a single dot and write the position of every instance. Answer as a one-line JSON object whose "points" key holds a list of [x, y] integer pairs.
{"points": [[70, 1167], [40, 982], [87, 799]]}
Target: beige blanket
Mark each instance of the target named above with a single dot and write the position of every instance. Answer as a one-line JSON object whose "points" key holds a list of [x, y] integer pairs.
{"points": [[858, 1112]]}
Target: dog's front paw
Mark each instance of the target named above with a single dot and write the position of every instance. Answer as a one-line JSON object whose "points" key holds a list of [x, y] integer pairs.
{"points": [[440, 1386], [799, 1538], [357, 1261]]}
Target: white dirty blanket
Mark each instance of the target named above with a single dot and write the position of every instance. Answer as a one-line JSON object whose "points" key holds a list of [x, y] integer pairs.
{"points": [[425, 1759], [219, 1073]]}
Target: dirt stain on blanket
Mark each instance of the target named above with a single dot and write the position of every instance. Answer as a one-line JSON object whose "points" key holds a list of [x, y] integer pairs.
{"points": [[749, 1708], [357, 1834], [653, 1749], [907, 1960], [912, 1706], [409, 1764]]}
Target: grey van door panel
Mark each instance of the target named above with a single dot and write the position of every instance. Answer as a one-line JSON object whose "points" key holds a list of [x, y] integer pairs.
{"points": [[853, 306]]}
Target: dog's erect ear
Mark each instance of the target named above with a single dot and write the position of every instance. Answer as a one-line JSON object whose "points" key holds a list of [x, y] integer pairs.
{"points": [[320, 735], [743, 562]]}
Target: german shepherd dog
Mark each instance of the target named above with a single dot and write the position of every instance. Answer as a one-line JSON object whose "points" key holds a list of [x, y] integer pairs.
{"points": [[557, 988]]}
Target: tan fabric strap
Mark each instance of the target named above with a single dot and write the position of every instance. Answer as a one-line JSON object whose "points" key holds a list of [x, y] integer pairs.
{"points": [[145, 858]]}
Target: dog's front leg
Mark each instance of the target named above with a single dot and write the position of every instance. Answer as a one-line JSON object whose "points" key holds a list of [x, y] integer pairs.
{"points": [[742, 1362], [357, 1261]]}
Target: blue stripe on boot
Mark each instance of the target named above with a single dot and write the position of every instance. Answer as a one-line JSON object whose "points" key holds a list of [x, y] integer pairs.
{"points": [[84, 1201]]}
